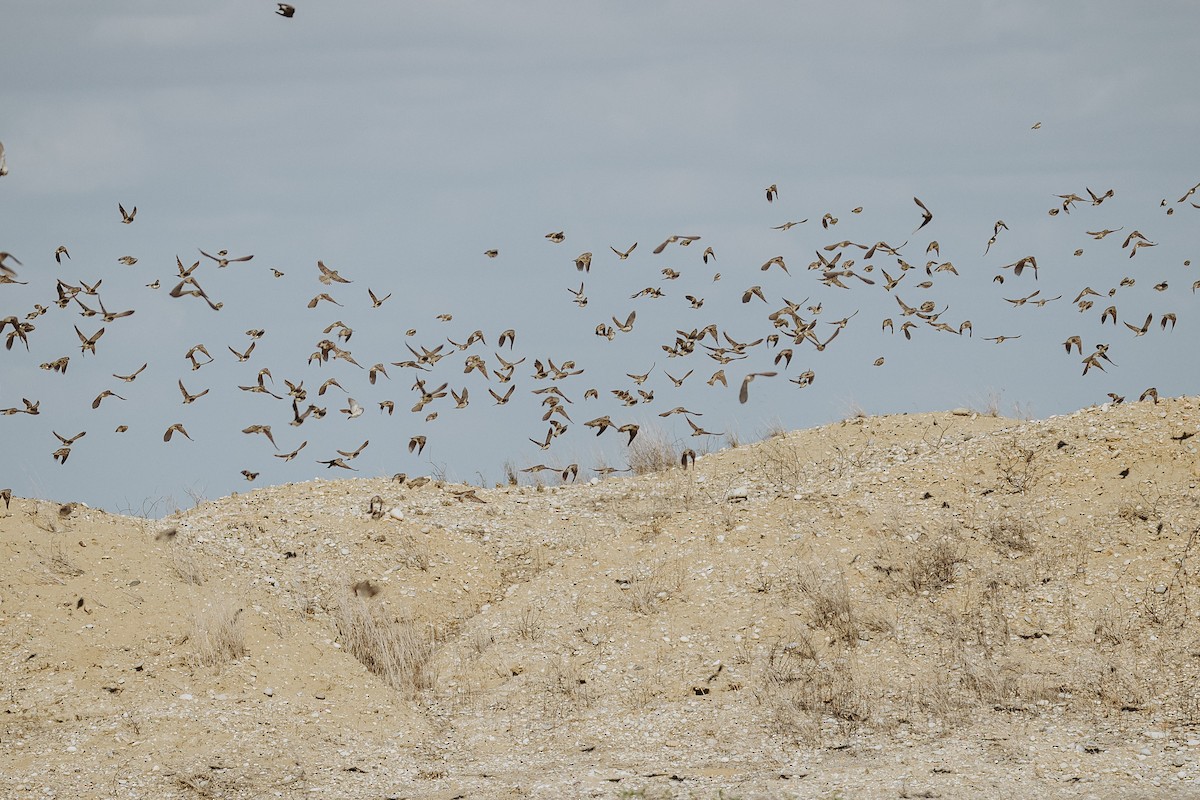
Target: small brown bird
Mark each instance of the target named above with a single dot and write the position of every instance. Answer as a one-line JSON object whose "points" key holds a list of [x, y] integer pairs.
{"points": [[683, 241], [416, 443], [583, 262], [265, 430], [1152, 393], [223, 260], [322, 296], [744, 394], [6, 496], [127, 216], [926, 214], [176, 428], [106, 393], [294, 453], [329, 276], [376, 302], [285, 10], [491, 253], [772, 193], [623, 255], [557, 238], [60, 252], [365, 589], [753, 291], [698, 431], [632, 429], [248, 475], [88, 344]]}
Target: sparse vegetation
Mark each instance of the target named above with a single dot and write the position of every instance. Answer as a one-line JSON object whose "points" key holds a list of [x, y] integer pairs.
{"points": [[216, 636], [400, 651], [652, 451]]}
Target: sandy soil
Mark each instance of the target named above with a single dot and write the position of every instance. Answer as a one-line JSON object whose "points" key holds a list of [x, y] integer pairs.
{"points": [[935, 605]]}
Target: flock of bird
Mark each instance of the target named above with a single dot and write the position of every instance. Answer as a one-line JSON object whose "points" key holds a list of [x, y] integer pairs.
{"points": [[489, 362]]}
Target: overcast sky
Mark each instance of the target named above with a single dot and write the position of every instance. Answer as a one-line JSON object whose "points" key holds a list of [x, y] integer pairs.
{"points": [[397, 142]]}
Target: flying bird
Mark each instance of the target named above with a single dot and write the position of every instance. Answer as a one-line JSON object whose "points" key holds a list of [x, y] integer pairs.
{"points": [[127, 216], [927, 215], [285, 10]]}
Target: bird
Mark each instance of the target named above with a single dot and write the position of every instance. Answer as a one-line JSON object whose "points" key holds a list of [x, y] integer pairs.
{"points": [[293, 454], [926, 214], [127, 216], [583, 262], [417, 443], [3, 172], [698, 431], [491, 253], [353, 409], [376, 301], [557, 238], [242, 357], [5, 269], [753, 291], [772, 193], [744, 394], [223, 260], [683, 241], [176, 428], [632, 429], [350, 455], [285, 10], [88, 344], [265, 430], [622, 255], [106, 393], [329, 276], [60, 252]]}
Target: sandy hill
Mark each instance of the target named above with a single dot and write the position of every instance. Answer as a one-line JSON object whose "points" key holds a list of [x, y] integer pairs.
{"points": [[934, 605]]}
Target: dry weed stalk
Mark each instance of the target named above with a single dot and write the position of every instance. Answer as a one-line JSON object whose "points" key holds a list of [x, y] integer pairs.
{"points": [[216, 636], [399, 651]]}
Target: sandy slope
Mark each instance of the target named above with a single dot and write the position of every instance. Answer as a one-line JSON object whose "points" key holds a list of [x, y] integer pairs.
{"points": [[935, 605]]}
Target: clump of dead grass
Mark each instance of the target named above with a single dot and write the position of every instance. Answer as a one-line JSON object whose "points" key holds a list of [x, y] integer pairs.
{"points": [[652, 451], [400, 651], [216, 636]]}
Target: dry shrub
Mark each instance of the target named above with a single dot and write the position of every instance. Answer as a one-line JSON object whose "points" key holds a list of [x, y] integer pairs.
{"points": [[398, 651], [1010, 532], [530, 626], [564, 686], [186, 566], [931, 567], [651, 452], [1019, 463], [653, 586], [216, 636], [831, 609], [799, 689]]}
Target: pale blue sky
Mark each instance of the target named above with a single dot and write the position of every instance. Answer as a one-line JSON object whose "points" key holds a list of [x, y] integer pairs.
{"points": [[399, 141]]}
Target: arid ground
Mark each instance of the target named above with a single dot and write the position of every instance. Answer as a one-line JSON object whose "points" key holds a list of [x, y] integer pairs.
{"points": [[938, 605]]}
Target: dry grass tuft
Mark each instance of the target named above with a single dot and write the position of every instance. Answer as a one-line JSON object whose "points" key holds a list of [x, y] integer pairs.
{"points": [[931, 568], [399, 651], [652, 451], [216, 636]]}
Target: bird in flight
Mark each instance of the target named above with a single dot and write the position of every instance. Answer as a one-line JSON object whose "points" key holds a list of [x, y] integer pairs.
{"points": [[127, 216], [927, 215], [285, 10]]}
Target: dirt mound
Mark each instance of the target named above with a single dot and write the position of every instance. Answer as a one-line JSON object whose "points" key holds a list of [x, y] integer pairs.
{"points": [[942, 604]]}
